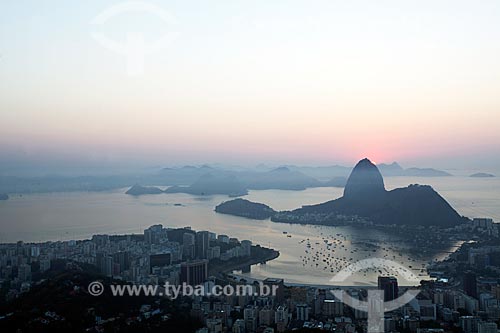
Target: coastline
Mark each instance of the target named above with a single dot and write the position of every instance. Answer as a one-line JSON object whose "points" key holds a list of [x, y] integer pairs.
{"points": [[223, 268]]}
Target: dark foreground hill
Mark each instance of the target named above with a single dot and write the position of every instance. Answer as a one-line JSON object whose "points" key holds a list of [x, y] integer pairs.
{"points": [[62, 303]]}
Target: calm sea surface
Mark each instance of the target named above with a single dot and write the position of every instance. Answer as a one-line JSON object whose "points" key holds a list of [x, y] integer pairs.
{"points": [[63, 216]]}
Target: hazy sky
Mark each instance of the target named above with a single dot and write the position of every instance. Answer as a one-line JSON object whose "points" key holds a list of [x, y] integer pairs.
{"points": [[309, 82]]}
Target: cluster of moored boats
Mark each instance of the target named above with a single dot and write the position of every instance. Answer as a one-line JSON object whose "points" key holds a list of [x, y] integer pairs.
{"points": [[335, 252]]}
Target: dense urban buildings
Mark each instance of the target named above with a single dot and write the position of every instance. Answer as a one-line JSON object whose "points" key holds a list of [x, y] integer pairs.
{"points": [[389, 285], [194, 272], [463, 296]]}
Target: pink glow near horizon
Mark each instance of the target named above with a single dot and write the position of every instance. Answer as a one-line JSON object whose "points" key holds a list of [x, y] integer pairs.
{"points": [[404, 82]]}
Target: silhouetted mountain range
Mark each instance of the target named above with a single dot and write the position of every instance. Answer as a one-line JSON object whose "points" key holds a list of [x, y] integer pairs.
{"points": [[190, 179]]}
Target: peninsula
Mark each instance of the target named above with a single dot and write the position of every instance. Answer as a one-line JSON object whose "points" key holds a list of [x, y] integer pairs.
{"points": [[365, 200]]}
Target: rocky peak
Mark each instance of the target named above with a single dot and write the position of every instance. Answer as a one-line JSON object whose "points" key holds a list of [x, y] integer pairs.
{"points": [[365, 181]]}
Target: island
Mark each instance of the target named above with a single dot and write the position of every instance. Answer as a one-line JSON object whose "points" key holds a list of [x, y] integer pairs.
{"points": [[137, 190], [245, 208], [482, 175], [365, 201]]}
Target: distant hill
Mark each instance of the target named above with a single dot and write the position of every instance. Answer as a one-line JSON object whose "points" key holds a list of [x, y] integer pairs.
{"points": [[394, 169], [210, 184], [185, 175], [281, 178], [365, 197], [390, 169], [336, 182], [141, 190], [4, 196], [482, 175], [426, 172], [323, 172], [245, 208]]}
